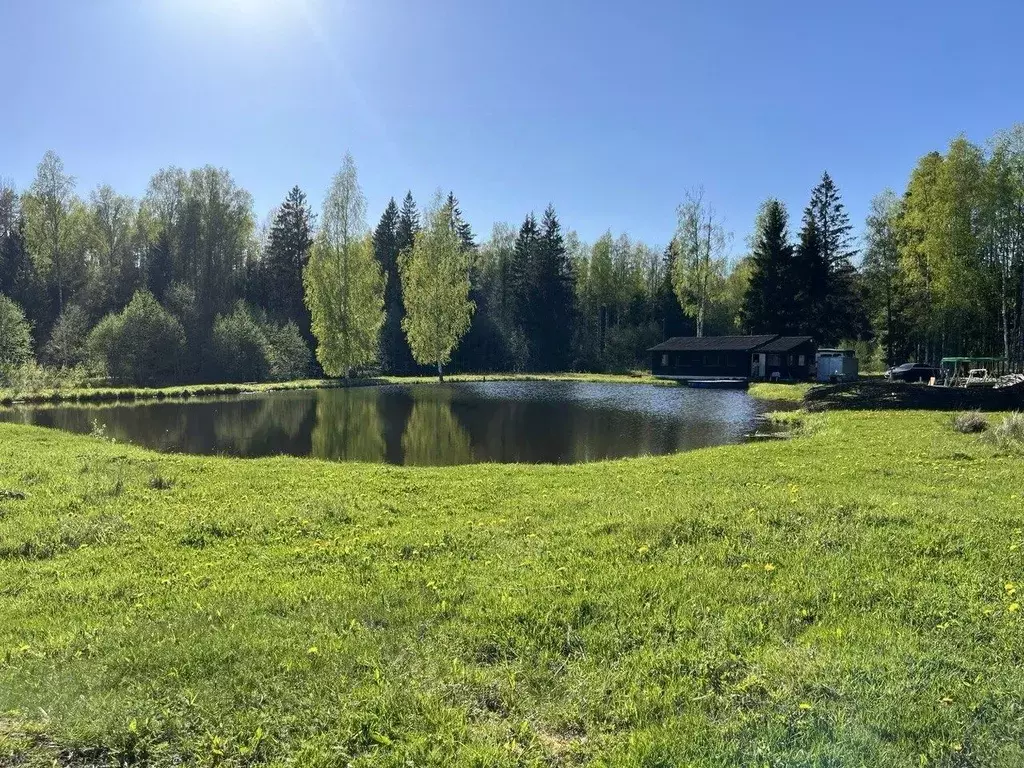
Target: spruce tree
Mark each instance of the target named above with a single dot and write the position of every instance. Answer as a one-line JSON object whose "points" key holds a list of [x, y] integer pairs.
{"points": [[669, 313], [394, 349], [458, 224], [810, 280], [551, 298], [832, 302], [408, 224], [769, 303], [291, 237], [520, 279]]}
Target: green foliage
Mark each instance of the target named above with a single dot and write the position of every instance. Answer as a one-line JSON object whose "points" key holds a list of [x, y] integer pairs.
{"points": [[15, 334], [288, 246], [698, 265], [435, 288], [31, 381], [626, 345], [394, 349], [67, 345], [768, 305], [240, 347], [141, 345], [287, 353], [343, 280]]}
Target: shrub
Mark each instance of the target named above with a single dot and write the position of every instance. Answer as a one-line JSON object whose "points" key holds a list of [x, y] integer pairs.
{"points": [[287, 353], [15, 334], [30, 377], [970, 422], [141, 345], [240, 347], [66, 347]]}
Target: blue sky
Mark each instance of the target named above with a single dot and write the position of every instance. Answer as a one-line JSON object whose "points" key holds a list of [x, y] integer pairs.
{"points": [[610, 110]]}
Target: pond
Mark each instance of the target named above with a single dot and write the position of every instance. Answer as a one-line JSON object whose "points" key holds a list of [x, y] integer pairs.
{"points": [[427, 424]]}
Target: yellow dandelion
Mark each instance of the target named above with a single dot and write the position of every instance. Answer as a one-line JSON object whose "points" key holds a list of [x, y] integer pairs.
{"points": [[769, 566], [805, 705], [1013, 607]]}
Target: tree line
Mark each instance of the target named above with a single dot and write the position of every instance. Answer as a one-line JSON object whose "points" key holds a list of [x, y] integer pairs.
{"points": [[184, 284]]}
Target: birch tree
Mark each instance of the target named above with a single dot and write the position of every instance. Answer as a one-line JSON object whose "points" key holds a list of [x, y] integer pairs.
{"points": [[343, 280], [435, 289], [699, 266]]}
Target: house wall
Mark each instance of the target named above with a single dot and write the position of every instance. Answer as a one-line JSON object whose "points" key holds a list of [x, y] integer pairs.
{"points": [[788, 364], [728, 364], [733, 364]]}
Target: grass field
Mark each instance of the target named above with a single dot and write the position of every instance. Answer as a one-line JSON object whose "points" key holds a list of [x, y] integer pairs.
{"points": [[848, 597]]}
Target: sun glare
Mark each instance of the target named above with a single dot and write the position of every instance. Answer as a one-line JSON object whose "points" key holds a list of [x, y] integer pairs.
{"points": [[252, 15]]}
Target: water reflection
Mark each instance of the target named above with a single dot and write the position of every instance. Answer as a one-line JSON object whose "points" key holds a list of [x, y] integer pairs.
{"points": [[557, 422]]}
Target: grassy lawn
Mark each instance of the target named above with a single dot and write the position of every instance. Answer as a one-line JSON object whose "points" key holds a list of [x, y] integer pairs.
{"points": [[793, 393], [848, 597], [109, 394]]}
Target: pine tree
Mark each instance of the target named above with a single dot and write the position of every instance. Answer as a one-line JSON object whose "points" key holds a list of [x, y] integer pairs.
{"points": [[769, 304], [288, 246], [394, 349]]}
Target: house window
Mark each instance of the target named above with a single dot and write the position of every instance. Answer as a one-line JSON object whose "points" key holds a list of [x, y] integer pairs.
{"points": [[774, 360], [801, 359], [664, 360], [791, 360], [710, 360]]}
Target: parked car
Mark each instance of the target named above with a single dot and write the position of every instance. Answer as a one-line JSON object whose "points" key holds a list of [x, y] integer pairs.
{"points": [[912, 372]]}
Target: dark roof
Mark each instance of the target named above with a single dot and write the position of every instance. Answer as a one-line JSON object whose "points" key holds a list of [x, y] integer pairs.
{"points": [[712, 343], [785, 343]]}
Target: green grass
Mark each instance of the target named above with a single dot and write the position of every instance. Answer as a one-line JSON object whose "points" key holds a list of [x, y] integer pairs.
{"points": [[848, 597], [128, 394], [782, 392]]}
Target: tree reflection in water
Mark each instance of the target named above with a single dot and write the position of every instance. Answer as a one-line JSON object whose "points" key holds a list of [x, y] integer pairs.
{"points": [[433, 436], [530, 422], [350, 427]]}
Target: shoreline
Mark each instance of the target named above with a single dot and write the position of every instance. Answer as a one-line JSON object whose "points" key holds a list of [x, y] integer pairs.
{"points": [[86, 395]]}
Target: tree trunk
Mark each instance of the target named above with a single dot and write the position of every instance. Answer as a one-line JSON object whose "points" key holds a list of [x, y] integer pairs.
{"points": [[440, 372]]}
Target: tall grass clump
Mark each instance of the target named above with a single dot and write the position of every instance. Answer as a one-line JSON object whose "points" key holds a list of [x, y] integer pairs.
{"points": [[1009, 433], [970, 422]]}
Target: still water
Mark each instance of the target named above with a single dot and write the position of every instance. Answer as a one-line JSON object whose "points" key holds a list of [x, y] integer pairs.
{"points": [[431, 424]]}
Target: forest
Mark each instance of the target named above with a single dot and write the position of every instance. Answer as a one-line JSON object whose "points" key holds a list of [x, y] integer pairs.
{"points": [[187, 285]]}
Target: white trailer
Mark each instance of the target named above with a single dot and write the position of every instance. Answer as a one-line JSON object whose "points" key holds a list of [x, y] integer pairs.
{"points": [[837, 365]]}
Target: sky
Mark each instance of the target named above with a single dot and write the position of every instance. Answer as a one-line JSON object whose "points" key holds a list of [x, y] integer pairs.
{"points": [[610, 110]]}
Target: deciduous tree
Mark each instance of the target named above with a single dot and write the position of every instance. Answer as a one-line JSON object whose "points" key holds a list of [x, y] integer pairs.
{"points": [[343, 280], [435, 288]]}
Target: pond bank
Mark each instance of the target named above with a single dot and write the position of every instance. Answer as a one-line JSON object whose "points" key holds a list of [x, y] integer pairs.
{"points": [[185, 391], [847, 597]]}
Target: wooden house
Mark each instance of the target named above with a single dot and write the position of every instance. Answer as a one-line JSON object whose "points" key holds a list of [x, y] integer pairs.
{"points": [[764, 357]]}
